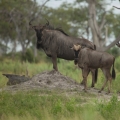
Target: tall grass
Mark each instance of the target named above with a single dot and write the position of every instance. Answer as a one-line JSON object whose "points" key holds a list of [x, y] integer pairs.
{"points": [[54, 106], [65, 67], [44, 107], [110, 110]]}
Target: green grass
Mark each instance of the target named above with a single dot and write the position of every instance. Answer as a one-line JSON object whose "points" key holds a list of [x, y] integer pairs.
{"points": [[41, 106], [54, 105], [65, 67], [48, 105]]}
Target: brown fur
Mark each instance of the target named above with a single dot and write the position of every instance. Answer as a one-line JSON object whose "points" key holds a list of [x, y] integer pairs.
{"points": [[56, 43], [88, 58]]}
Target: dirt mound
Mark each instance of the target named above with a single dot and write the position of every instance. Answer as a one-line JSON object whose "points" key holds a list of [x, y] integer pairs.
{"points": [[50, 80], [47, 80]]}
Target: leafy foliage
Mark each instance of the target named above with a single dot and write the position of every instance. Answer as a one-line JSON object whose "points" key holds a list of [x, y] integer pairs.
{"points": [[114, 51], [111, 109]]}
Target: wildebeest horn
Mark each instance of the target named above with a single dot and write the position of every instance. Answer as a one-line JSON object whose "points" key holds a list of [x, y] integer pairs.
{"points": [[31, 24]]}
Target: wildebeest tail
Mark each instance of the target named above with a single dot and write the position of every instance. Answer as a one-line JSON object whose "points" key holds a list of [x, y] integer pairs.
{"points": [[96, 74], [113, 70]]}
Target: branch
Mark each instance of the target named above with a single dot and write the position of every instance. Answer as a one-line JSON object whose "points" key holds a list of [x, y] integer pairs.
{"points": [[14, 22], [112, 44], [103, 21], [43, 5], [96, 27], [35, 16], [116, 7]]}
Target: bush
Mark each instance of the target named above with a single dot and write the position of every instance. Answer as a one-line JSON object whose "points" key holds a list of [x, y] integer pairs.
{"points": [[28, 56], [117, 63], [114, 51], [110, 110], [36, 105]]}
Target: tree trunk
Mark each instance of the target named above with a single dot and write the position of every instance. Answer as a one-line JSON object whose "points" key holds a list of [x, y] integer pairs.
{"points": [[92, 22], [35, 52], [14, 48]]}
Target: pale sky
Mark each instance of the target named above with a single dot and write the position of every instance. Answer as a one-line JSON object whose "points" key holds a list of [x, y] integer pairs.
{"points": [[57, 3]]}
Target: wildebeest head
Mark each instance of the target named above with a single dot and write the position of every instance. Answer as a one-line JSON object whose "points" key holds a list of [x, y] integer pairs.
{"points": [[76, 49], [38, 29]]}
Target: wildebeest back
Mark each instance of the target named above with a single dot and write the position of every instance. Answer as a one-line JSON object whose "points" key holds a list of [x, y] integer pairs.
{"points": [[55, 42], [94, 59]]}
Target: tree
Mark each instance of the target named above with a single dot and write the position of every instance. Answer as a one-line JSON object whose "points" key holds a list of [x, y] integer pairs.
{"points": [[60, 17], [97, 23], [15, 21]]}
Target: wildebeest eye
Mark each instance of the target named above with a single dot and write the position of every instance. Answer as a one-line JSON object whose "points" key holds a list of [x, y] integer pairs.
{"points": [[70, 47]]}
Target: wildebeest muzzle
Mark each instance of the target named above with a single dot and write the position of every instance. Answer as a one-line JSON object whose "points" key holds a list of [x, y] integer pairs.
{"points": [[39, 45]]}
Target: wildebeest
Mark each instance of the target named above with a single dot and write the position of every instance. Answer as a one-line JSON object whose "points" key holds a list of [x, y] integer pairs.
{"points": [[88, 58], [55, 42]]}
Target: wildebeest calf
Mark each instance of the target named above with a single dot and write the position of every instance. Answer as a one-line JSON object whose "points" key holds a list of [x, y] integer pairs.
{"points": [[88, 58]]}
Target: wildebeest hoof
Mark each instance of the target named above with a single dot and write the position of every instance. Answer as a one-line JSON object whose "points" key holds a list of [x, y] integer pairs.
{"points": [[52, 71], [92, 86], [99, 91], [107, 92], [88, 88], [84, 90], [81, 83]]}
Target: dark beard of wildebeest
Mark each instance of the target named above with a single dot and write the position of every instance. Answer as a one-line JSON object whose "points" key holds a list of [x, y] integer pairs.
{"points": [[88, 58], [56, 44]]}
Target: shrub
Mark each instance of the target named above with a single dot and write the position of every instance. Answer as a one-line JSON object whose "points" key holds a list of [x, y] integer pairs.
{"points": [[114, 51], [110, 110], [117, 63]]}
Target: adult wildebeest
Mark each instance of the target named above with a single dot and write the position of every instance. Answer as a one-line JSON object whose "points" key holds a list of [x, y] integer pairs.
{"points": [[55, 42], [88, 58]]}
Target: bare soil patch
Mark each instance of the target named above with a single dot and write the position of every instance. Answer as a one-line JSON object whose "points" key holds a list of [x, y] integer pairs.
{"points": [[50, 80], [45, 80]]}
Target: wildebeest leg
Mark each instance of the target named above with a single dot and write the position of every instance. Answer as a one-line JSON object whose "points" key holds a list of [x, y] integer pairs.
{"points": [[103, 86], [54, 61], [109, 76], [109, 85], [106, 73], [85, 72], [82, 82], [93, 77]]}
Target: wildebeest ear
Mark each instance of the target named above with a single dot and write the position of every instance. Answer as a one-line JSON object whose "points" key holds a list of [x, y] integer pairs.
{"points": [[35, 28]]}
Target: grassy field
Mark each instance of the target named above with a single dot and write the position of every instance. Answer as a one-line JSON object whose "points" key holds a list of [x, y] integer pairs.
{"points": [[51, 105]]}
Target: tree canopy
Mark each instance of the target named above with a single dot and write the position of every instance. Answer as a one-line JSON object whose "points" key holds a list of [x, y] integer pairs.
{"points": [[83, 18]]}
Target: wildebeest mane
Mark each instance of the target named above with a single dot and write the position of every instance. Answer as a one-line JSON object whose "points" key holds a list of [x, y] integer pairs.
{"points": [[50, 27], [60, 29]]}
